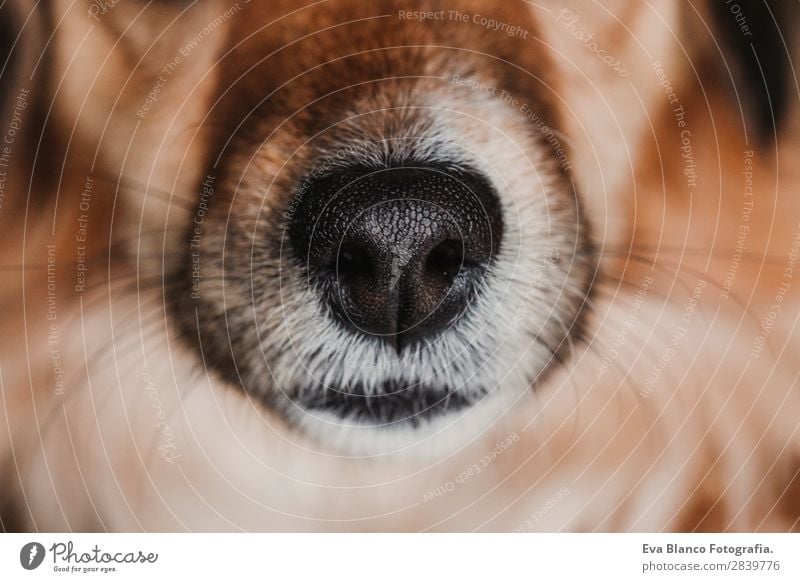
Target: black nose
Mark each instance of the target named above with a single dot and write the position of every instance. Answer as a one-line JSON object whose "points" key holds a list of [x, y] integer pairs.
{"points": [[397, 253]]}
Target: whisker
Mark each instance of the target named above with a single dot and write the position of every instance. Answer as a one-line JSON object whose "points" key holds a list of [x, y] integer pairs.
{"points": [[131, 185]]}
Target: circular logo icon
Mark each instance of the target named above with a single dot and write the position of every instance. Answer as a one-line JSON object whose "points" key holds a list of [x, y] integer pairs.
{"points": [[31, 555]]}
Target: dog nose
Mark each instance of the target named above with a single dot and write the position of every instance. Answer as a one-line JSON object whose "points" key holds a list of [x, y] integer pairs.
{"points": [[397, 253]]}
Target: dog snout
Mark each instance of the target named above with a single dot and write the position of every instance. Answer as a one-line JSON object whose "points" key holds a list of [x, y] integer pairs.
{"points": [[398, 253]]}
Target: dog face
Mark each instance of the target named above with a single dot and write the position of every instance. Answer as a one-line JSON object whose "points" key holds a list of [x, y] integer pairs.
{"points": [[384, 239], [381, 226], [384, 223]]}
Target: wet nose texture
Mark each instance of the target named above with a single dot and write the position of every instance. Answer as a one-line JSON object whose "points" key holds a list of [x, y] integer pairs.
{"points": [[399, 253]]}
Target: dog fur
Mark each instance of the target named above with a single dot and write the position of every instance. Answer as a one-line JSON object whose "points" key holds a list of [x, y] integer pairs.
{"points": [[639, 348]]}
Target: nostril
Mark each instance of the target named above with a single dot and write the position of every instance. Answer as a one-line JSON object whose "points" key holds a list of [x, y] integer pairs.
{"points": [[353, 261], [446, 260]]}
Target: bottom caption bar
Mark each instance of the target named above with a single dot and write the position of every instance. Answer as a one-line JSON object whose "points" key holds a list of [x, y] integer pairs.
{"points": [[353, 557]]}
